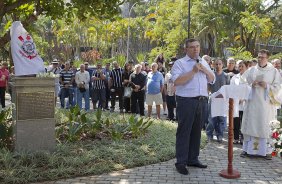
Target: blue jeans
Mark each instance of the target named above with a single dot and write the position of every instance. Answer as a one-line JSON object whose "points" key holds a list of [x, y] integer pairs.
{"points": [[74, 96], [84, 95], [206, 113], [74, 99], [66, 92], [188, 135], [218, 124]]}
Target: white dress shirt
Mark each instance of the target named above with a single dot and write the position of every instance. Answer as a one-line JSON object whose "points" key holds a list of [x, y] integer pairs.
{"points": [[198, 85]]}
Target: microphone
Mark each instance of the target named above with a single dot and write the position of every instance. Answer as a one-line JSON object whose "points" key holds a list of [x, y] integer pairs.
{"points": [[197, 61]]}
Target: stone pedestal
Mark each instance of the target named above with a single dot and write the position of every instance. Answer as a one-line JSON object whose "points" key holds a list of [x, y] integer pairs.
{"points": [[34, 100]]}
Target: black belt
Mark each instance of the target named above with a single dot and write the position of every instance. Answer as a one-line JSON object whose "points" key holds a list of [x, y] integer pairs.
{"points": [[200, 97]]}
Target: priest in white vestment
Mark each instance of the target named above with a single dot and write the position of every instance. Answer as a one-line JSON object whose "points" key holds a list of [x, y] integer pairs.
{"points": [[260, 108]]}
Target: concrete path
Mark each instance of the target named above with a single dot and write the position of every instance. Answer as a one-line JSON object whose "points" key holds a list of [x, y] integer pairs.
{"points": [[253, 170]]}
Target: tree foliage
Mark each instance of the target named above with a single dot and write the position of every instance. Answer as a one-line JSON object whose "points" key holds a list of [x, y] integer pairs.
{"points": [[28, 10], [154, 26], [228, 23]]}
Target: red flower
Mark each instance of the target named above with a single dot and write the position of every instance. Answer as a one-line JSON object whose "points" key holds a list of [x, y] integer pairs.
{"points": [[274, 153], [275, 135]]}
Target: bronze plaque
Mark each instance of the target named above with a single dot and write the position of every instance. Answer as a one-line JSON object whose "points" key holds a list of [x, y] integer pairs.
{"points": [[37, 105]]}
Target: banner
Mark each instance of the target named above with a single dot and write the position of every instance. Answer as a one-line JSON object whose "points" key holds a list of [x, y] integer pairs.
{"points": [[24, 54]]}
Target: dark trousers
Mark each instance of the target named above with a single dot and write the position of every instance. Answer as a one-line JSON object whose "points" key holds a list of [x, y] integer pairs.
{"points": [[188, 135], [126, 104], [2, 96], [118, 92], [171, 104], [137, 98], [237, 126], [108, 92]]}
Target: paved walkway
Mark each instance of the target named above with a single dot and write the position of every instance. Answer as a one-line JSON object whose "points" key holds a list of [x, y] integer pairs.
{"points": [[253, 170]]}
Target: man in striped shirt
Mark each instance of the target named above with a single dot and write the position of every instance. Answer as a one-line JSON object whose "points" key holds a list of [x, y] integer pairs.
{"points": [[99, 88], [66, 81], [116, 86]]}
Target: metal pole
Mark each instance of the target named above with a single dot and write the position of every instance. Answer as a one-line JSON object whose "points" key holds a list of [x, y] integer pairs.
{"points": [[128, 31], [189, 17]]}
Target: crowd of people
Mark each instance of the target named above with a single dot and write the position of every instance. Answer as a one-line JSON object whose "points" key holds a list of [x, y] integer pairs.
{"points": [[132, 85]]}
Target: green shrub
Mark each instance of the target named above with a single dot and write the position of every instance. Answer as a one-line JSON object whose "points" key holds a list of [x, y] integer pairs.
{"points": [[81, 125], [71, 130], [96, 125], [6, 128]]}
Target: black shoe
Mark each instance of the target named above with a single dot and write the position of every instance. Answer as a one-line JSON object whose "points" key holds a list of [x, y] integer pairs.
{"points": [[199, 165], [181, 169], [244, 154]]}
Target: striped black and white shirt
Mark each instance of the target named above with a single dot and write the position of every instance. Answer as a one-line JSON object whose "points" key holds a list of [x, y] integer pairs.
{"points": [[98, 84], [116, 76], [66, 76]]}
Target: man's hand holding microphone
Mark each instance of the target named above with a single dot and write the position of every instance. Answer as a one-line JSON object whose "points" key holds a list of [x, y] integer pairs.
{"points": [[199, 67]]}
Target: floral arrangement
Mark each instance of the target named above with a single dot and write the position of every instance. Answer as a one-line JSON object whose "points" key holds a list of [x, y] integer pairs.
{"points": [[276, 135], [47, 75]]}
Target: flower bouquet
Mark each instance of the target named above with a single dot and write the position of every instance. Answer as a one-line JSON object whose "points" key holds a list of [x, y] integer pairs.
{"points": [[276, 136]]}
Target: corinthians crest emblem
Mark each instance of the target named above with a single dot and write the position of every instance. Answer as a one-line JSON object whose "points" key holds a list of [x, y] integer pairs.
{"points": [[28, 47]]}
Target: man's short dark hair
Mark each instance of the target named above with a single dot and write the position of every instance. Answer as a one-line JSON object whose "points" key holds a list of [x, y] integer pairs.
{"points": [[254, 60], [173, 58], [190, 40], [264, 51], [246, 63]]}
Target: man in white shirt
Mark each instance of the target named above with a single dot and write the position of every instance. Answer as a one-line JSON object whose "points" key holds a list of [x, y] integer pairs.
{"points": [[191, 75], [82, 79]]}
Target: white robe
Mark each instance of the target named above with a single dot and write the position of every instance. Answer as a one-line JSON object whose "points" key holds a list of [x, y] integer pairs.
{"points": [[259, 110], [237, 80]]}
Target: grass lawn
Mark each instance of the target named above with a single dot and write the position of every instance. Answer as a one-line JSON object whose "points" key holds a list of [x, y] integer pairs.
{"points": [[90, 156]]}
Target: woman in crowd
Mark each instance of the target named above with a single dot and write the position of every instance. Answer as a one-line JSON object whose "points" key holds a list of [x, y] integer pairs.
{"points": [[126, 73]]}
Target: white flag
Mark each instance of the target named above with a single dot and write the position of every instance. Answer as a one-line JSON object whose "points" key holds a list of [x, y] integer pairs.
{"points": [[25, 57]]}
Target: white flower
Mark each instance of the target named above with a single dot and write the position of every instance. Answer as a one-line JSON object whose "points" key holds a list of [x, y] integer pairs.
{"points": [[46, 75], [274, 124]]}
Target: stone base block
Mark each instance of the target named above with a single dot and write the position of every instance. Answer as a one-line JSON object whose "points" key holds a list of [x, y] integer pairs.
{"points": [[35, 135]]}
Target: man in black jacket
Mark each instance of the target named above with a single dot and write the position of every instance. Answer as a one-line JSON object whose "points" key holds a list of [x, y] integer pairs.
{"points": [[138, 82]]}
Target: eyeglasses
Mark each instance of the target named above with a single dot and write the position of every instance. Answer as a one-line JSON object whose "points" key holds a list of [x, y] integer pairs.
{"points": [[193, 47], [260, 57]]}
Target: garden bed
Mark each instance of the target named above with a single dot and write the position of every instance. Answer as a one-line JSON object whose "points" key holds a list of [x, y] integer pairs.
{"points": [[90, 156]]}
